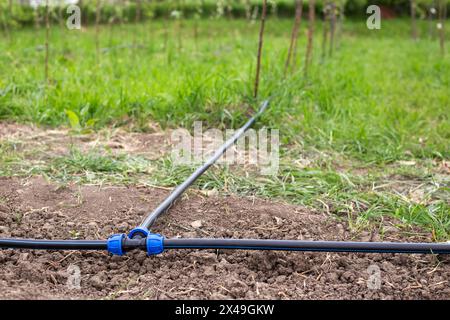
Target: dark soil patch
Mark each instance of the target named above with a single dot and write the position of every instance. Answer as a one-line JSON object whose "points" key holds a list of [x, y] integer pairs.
{"points": [[34, 208]]}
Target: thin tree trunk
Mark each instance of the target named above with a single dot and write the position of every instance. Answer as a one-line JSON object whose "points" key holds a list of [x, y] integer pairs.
{"points": [[150, 28], [61, 16], [166, 33], [137, 20], [248, 9], [138, 11], [5, 26], [196, 33], [430, 14], [121, 20], [110, 29], [332, 27], [179, 33], [294, 53], [309, 47], [37, 18], [325, 30], [97, 31], [294, 35], [47, 40], [179, 24], [340, 24], [260, 46], [8, 19], [442, 18], [11, 17], [82, 19], [229, 10], [413, 19]]}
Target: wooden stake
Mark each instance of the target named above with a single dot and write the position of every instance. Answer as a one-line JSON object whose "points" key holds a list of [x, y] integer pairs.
{"points": [[431, 25], [293, 45], [332, 27], [179, 32], [166, 32], [138, 11], [61, 16], [47, 36], [340, 24], [260, 45], [442, 18], [294, 53], [325, 29], [5, 25], [137, 20], [8, 18], [413, 19], [37, 18], [196, 33], [97, 31], [309, 48]]}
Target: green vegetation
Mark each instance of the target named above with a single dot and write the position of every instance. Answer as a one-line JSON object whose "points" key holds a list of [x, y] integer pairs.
{"points": [[16, 15], [380, 101], [414, 193], [380, 98]]}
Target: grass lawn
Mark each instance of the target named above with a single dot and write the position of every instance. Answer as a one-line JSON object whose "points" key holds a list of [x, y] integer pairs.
{"points": [[366, 135]]}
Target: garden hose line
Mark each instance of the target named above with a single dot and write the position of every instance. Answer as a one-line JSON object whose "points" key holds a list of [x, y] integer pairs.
{"points": [[53, 244], [155, 244], [141, 231], [301, 245]]}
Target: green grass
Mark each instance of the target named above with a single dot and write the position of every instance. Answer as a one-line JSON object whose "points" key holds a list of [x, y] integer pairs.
{"points": [[381, 98], [360, 198]]}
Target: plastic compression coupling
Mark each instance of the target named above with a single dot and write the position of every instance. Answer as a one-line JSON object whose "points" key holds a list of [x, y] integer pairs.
{"points": [[155, 244], [114, 244], [143, 232]]}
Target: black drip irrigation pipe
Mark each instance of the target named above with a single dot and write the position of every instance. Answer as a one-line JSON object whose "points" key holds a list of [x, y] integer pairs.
{"points": [[141, 238], [54, 244], [301, 245], [178, 191], [155, 244]]}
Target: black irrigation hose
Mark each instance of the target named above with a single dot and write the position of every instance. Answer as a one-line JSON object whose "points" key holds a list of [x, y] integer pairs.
{"points": [[178, 191], [300, 245], [53, 244], [232, 244]]}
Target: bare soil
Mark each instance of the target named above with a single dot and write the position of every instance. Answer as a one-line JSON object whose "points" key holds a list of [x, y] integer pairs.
{"points": [[35, 208]]}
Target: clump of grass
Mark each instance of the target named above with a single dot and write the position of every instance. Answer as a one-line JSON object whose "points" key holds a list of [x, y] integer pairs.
{"points": [[92, 167], [9, 157]]}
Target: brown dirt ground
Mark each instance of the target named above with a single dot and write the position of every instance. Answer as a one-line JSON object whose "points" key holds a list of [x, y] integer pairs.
{"points": [[35, 208]]}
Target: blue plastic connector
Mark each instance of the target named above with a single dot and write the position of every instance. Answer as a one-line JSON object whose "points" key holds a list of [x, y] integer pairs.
{"points": [[143, 231], [155, 244], [114, 244]]}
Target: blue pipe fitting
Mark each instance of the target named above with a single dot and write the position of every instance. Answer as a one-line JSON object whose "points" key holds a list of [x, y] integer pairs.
{"points": [[143, 231], [155, 244], [114, 244]]}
